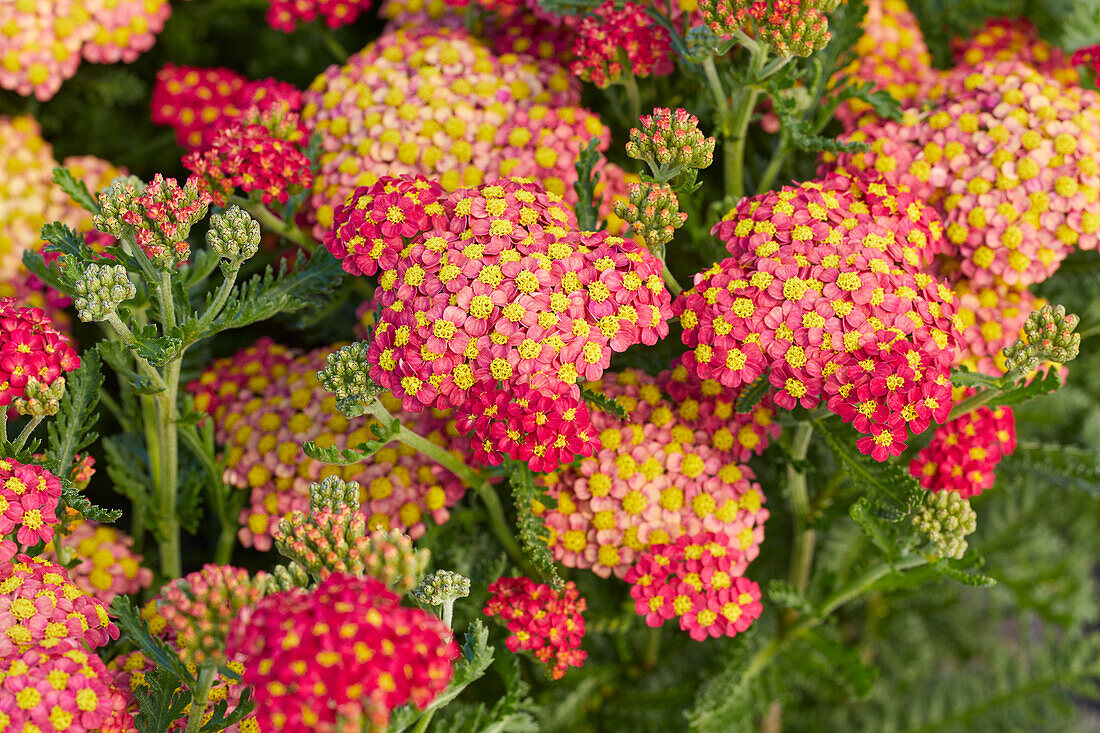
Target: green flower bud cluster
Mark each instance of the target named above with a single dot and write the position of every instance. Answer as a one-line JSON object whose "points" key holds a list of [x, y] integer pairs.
{"points": [[347, 375], [233, 235], [40, 400], [333, 493], [1047, 336], [285, 577], [673, 146], [945, 520], [441, 587], [100, 289], [653, 212], [703, 43]]}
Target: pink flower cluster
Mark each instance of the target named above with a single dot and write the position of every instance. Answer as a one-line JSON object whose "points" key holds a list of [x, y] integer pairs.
{"points": [[347, 649], [285, 15], [438, 102], [824, 294], [790, 27], [266, 401], [538, 420], [614, 40], [160, 216], [44, 41], [1087, 56], [107, 564], [200, 607], [28, 506], [60, 688], [502, 285], [40, 606], [1009, 155], [259, 151], [541, 620], [667, 470], [964, 452], [698, 579], [196, 101], [31, 351], [1015, 39], [989, 319]]}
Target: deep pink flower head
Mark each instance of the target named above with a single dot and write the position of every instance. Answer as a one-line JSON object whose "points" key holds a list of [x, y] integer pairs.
{"points": [[668, 469], [28, 506], [347, 646], [285, 15], [503, 286], [698, 579], [259, 151], [33, 355], [824, 294], [1015, 39], [40, 606], [63, 687], [1087, 56], [964, 452], [266, 401], [195, 101], [546, 622], [612, 40]]}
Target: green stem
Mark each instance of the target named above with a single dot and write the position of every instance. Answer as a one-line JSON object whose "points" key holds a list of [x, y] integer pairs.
{"points": [[168, 488], [199, 698], [222, 295], [775, 165], [670, 281], [500, 528], [165, 299], [127, 337], [633, 96], [652, 648], [273, 223], [227, 542], [984, 397], [805, 623], [733, 144], [26, 433], [422, 724], [798, 496], [4, 425]]}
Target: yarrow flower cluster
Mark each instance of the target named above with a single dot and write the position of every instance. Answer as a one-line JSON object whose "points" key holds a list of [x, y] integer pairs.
{"points": [[789, 27], [266, 401], [200, 606], [671, 141], [544, 621], [34, 358], [40, 606], [346, 649], [990, 319], [1009, 155], [438, 102], [159, 216], [107, 564], [668, 469], [28, 506], [44, 42], [286, 15], [824, 294], [59, 688], [698, 579], [259, 151], [1087, 56], [612, 41], [503, 286], [1014, 39], [196, 101], [965, 451], [333, 538]]}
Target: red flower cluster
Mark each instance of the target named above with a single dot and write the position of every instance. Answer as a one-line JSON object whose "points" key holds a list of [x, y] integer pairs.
{"points": [[40, 606], [193, 100], [28, 506], [30, 349], [285, 15], [790, 27], [259, 151], [538, 420], [611, 41], [347, 649], [160, 216], [542, 620], [964, 452], [500, 285], [1087, 56], [823, 293], [694, 578]]}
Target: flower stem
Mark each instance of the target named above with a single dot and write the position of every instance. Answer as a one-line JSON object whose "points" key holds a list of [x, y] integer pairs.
{"points": [[798, 496], [775, 165], [974, 401], [199, 698], [422, 724], [215, 308], [26, 432], [268, 220], [633, 96], [670, 281]]}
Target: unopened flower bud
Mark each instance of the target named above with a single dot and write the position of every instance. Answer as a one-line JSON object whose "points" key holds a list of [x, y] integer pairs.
{"points": [[672, 144], [200, 606], [40, 400], [284, 578], [234, 235], [1047, 336], [702, 43], [440, 587], [347, 375], [99, 291], [116, 200], [333, 493], [945, 520], [158, 217], [653, 213]]}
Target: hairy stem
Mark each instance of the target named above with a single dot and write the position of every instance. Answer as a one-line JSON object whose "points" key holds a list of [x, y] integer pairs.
{"points": [[199, 698], [798, 496], [422, 724], [222, 295], [21, 440], [268, 220]]}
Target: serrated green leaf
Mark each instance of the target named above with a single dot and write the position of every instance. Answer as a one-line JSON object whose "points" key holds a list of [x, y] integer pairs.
{"points": [[76, 189], [751, 395], [118, 358], [587, 206], [849, 669], [220, 721], [136, 630], [950, 571], [603, 403], [67, 241], [895, 493], [532, 533], [156, 349], [1059, 465], [784, 595], [161, 702], [882, 533], [127, 467], [964, 377], [284, 290], [74, 499], [72, 429], [1024, 391], [50, 275]]}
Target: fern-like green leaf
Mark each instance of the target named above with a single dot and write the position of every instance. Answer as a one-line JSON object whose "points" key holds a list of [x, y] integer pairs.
{"points": [[534, 537], [1061, 465], [76, 189], [603, 403], [752, 394], [161, 702], [895, 493], [73, 428]]}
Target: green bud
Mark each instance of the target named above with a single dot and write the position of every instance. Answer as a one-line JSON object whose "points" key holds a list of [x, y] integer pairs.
{"points": [[333, 493], [40, 400], [439, 587], [234, 235], [100, 289], [1047, 336], [347, 375], [653, 213], [945, 520]]}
